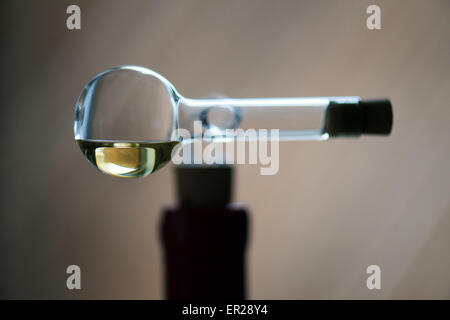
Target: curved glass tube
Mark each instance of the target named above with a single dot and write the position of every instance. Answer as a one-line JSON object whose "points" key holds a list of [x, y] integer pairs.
{"points": [[295, 118], [129, 118]]}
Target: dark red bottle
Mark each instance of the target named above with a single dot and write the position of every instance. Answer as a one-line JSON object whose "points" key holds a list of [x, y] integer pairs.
{"points": [[204, 237]]}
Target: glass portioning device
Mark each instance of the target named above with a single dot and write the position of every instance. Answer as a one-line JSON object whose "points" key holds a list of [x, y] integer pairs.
{"points": [[125, 118]]}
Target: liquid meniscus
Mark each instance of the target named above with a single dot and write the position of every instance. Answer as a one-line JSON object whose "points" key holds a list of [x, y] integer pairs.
{"points": [[127, 159]]}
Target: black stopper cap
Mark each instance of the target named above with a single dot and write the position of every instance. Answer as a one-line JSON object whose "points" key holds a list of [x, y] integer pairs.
{"points": [[354, 119], [378, 116]]}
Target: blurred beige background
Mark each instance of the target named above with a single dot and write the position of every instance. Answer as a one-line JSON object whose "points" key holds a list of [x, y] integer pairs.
{"points": [[334, 208]]}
